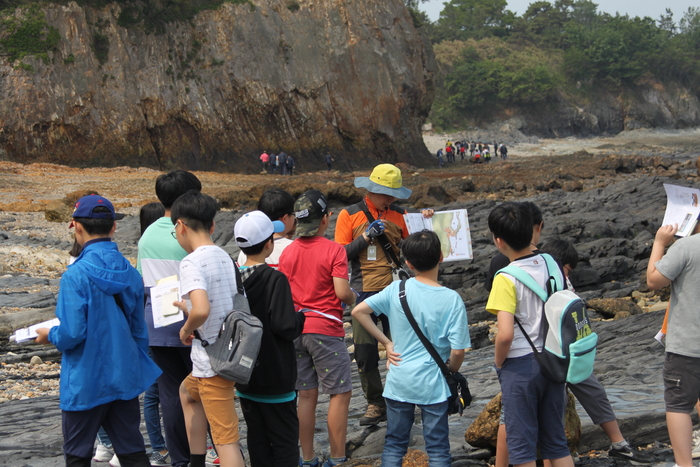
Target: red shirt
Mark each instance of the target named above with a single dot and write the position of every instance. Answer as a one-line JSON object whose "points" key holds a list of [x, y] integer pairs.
{"points": [[310, 264]]}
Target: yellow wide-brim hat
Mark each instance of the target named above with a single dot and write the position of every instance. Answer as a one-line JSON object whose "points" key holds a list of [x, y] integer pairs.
{"points": [[385, 179]]}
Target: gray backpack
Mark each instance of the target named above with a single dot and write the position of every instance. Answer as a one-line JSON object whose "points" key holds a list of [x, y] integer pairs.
{"points": [[235, 352]]}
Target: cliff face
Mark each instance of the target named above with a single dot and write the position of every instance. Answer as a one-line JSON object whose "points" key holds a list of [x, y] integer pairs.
{"points": [[353, 77], [650, 105]]}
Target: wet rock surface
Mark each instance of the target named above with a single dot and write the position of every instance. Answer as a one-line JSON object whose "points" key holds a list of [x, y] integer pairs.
{"points": [[611, 221]]}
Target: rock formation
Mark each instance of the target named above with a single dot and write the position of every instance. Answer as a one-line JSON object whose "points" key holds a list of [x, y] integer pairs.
{"points": [[354, 78], [649, 105]]}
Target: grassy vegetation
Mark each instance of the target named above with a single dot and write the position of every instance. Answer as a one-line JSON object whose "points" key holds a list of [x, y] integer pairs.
{"points": [[26, 32], [492, 60]]}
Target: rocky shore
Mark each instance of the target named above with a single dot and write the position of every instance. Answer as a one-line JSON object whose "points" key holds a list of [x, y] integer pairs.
{"points": [[608, 205]]}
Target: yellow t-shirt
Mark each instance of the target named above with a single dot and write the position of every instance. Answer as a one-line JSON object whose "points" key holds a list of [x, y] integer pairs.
{"points": [[511, 295]]}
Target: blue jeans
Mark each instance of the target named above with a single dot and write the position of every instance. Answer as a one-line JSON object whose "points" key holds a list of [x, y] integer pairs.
{"points": [[400, 416], [151, 416]]}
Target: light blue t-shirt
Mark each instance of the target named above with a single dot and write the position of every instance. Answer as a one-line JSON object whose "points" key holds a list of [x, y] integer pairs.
{"points": [[441, 315]]}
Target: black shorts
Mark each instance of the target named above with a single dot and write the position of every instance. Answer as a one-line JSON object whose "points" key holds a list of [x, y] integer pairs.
{"points": [[681, 382]]}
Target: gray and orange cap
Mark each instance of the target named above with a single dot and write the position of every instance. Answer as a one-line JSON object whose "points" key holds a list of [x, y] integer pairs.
{"points": [[385, 179], [309, 209]]}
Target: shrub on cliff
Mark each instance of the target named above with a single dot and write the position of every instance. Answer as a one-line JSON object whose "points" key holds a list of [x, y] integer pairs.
{"points": [[25, 32]]}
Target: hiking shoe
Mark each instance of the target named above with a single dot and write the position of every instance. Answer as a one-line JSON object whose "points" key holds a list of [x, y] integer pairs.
{"points": [[374, 415], [312, 463], [114, 462], [631, 455], [212, 458], [102, 453], [329, 462], [160, 459]]}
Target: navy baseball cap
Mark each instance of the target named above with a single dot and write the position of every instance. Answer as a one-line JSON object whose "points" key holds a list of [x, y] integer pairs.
{"points": [[86, 205]]}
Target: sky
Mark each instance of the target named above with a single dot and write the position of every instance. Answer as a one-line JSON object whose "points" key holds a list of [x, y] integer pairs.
{"points": [[652, 8]]}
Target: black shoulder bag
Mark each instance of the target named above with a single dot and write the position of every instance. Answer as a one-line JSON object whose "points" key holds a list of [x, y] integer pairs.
{"points": [[460, 397], [398, 271]]}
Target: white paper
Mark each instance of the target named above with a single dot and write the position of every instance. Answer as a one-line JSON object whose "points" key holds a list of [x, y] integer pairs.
{"points": [[29, 333], [162, 297], [682, 208], [451, 227]]}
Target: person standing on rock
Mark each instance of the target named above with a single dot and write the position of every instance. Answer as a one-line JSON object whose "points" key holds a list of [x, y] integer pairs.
{"points": [[104, 342], [414, 379], [282, 162], [265, 161], [159, 256], [317, 269], [533, 405], [290, 165], [361, 229], [329, 161], [679, 267], [590, 393]]}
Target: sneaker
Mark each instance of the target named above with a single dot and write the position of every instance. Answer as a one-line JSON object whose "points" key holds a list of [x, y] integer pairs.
{"points": [[329, 463], [159, 459], [212, 458], [374, 415], [312, 463], [103, 453], [631, 455], [114, 462]]}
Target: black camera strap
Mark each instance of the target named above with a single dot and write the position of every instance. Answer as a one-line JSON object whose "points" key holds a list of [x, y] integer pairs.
{"points": [[381, 239]]}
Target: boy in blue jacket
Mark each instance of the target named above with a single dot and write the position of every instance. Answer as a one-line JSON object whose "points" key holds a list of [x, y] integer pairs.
{"points": [[103, 338]]}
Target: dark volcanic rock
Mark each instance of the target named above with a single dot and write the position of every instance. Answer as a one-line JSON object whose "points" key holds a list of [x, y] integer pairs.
{"points": [[42, 299]]}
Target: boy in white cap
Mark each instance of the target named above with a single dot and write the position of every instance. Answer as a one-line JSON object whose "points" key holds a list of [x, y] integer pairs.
{"points": [[361, 229], [269, 399]]}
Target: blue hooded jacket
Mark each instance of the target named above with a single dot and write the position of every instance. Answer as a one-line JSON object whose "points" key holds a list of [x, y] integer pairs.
{"points": [[105, 349]]}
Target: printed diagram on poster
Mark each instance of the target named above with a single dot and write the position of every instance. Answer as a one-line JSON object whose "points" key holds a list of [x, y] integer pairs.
{"points": [[682, 208], [451, 227]]}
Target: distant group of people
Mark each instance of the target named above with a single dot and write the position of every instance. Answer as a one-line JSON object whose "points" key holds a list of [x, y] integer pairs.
{"points": [[298, 289], [284, 164], [281, 163], [478, 152]]}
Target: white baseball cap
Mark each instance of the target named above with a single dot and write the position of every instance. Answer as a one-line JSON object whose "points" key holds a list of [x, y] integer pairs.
{"points": [[255, 227]]}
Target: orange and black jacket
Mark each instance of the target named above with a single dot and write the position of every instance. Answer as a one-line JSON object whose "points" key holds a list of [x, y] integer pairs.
{"points": [[369, 276]]}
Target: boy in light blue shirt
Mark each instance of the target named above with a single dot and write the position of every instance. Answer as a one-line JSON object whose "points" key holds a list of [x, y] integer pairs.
{"points": [[414, 378]]}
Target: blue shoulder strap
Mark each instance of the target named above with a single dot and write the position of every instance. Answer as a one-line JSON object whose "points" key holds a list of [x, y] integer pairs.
{"points": [[526, 279], [531, 283]]}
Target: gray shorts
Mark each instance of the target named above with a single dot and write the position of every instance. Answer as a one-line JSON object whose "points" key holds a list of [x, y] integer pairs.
{"points": [[324, 358], [592, 397], [681, 382]]}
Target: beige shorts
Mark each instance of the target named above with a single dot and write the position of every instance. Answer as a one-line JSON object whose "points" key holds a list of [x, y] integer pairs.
{"points": [[216, 395]]}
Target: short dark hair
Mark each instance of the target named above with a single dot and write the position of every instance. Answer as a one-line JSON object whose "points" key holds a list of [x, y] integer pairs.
{"points": [[101, 227], [276, 203], [534, 212], [149, 213], [422, 249], [512, 223], [563, 250], [196, 209], [256, 249], [175, 183]]}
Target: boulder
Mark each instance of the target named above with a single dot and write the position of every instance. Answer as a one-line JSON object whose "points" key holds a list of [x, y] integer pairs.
{"points": [[483, 432], [57, 211], [614, 307]]}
